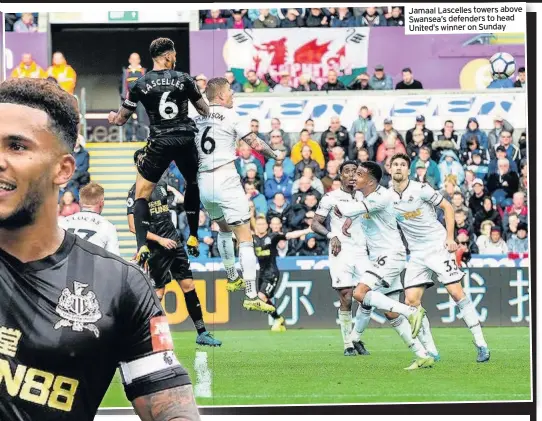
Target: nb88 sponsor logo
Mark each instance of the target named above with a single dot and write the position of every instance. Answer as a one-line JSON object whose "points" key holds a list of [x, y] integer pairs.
{"points": [[39, 387]]}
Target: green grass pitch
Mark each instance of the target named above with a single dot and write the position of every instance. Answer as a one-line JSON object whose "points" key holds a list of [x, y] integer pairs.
{"points": [[307, 367]]}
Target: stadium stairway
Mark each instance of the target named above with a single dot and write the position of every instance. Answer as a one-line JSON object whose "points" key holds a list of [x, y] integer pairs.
{"points": [[112, 166]]}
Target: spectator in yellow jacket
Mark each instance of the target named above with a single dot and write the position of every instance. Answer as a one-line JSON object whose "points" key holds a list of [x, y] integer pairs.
{"points": [[28, 69], [317, 153], [63, 73]]}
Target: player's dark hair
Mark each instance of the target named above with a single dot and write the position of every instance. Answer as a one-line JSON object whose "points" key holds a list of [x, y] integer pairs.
{"points": [[303, 130], [160, 46], [48, 97], [505, 131], [458, 193], [521, 70], [401, 156], [373, 169], [215, 86], [345, 163], [254, 120], [448, 121]]}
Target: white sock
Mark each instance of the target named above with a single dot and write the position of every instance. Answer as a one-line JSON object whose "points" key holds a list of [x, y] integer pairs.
{"points": [[363, 317], [345, 320], [249, 263], [426, 337], [402, 327], [380, 301], [470, 316], [227, 253]]}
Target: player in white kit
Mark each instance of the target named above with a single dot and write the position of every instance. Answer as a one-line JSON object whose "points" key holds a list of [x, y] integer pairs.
{"points": [[432, 249], [380, 285], [220, 187], [347, 250], [89, 224]]}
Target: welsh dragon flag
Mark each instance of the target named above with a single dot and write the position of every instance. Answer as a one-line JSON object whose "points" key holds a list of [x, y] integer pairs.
{"points": [[310, 51]]}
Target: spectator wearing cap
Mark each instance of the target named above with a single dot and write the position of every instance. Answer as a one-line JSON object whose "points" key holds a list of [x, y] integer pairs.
{"points": [[477, 197], [518, 207], [522, 78], [333, 83], [500, 152], [371, 18], [279, 183], [465, 243], [215, 21], [388, 128], [245, 157], [512, 151], [477, 166], [254, 83], [358, 144], [305, 140], [306, 162], [332, 173], [380, 81], [343, 19], [361, 83], [519, 242], [421, 176], [238, 20], [495, 245], [427, 134], [306, 84], [389, 147], [265, 19], [235, 86], [397, 18], [432, 169], [365, 125], [446, 139], [488, 212], [408, 81], [339, 131], [493, 137], [253, 177], [503, 184], [310, 246], [256, 197], [316, 183], [292, 19], [316, 19], [450, 164], [418, 140], [279, 208], [473, 129]]}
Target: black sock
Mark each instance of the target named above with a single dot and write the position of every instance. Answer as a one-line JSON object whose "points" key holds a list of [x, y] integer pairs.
{"points": [[191, 206], [274, 315], [142, 217], [194, 310]]}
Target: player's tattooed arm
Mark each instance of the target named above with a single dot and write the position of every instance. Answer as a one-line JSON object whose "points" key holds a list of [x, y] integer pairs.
{"points": [[176, 404], [201, 107], [120, 117], [258, 144], [319, 228]]}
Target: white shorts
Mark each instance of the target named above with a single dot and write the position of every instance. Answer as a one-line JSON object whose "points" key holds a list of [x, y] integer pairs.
{"points": [[422, 265], [346, 269], [223, 196], [385, 274]]}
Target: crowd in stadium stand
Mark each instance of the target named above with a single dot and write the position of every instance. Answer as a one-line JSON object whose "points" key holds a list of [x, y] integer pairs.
{"points": [[328, 17], [21, 22]]}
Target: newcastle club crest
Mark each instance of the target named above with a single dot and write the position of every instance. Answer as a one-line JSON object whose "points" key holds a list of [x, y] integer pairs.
{"points": [[78, 311]]}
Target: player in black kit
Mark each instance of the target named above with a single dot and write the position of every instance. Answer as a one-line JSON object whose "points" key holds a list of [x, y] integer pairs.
{"points": [[168, 260], [265, 247], [71, 313], [165, 92]]}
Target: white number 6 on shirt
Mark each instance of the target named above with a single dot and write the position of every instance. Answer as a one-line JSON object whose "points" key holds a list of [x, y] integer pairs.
{"points": [[168, 110]]}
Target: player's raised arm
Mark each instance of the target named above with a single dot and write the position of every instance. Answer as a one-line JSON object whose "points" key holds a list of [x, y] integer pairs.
{"points": [[255, 142], [154, 380], [195, 97], [320, 216], [126, 109]]}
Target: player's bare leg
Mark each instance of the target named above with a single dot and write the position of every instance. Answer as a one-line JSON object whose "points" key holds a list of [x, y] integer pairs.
{"points": [[345, 319], [227, 253], [413, 297], [142, 217], [471, 319], [279, 324], [194, 310], [371, 298], [249, 263]]}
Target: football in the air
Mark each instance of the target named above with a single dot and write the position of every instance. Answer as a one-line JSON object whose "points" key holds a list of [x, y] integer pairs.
{"points": [[502, 65]]}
